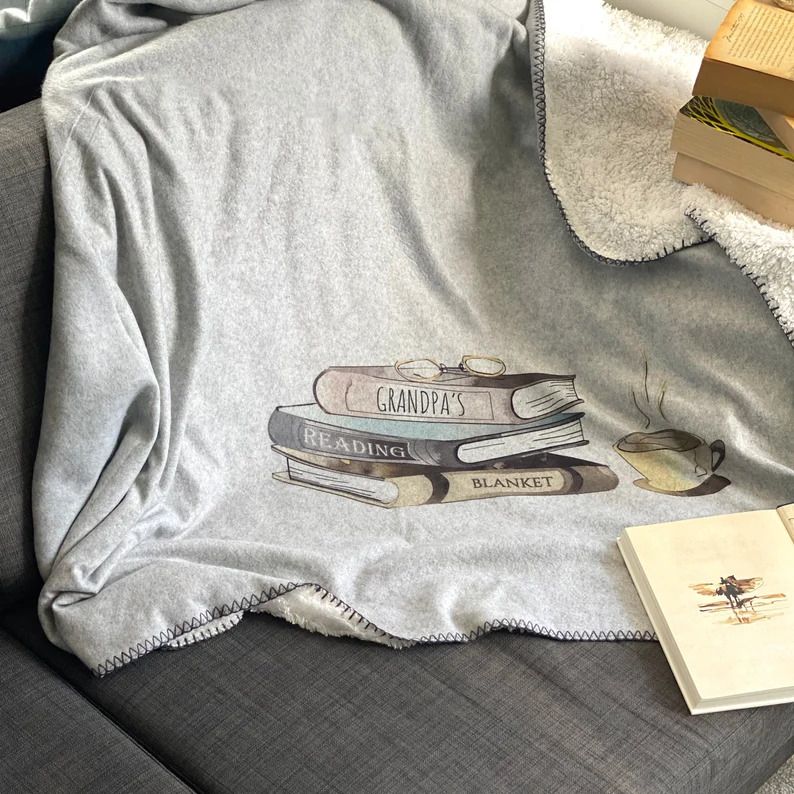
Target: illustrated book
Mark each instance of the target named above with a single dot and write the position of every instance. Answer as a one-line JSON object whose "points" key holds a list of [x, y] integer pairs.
{"points": [[718, 592], [381, 392], [400, 485], [307, 428], [736, 139]]}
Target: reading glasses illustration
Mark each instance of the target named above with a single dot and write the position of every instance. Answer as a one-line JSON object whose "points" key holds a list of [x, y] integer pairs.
{"points": [[425, 369]]}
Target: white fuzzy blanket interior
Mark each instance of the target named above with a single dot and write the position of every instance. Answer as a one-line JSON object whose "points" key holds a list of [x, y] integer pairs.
{"points": [[609, 88]]}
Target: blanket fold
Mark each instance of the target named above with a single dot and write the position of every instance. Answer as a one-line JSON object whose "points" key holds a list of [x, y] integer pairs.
{"points": [[250, 194]]}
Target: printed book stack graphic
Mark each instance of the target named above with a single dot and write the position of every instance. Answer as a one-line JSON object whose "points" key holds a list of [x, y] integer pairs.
{"points": [[391, 437]]}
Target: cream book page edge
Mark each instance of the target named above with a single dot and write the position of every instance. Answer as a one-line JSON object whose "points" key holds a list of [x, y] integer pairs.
{"points": [[658, 623], [786, 513]]}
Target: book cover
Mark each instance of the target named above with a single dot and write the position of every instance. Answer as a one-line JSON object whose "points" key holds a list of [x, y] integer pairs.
{"points": [[750, 59], [381, 391], [307, 428], [393, 485]]}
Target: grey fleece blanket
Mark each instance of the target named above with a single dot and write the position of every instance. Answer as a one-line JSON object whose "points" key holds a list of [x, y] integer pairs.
{"points": [[250, 194]]}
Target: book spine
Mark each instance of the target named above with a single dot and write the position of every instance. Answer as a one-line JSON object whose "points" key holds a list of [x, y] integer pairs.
{"points": [[350, 393], [317, 438], [465, 485], [444, 487], [755, 197]]}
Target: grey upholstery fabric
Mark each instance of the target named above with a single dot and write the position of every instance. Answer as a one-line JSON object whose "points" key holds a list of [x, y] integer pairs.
{"points": [[52, 740], [25, 306], [270, 707]]}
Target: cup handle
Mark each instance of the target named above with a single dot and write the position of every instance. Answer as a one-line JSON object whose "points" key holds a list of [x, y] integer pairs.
{"points": [[717, 448]]}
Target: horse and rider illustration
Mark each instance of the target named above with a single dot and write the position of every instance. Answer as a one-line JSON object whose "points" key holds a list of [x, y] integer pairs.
{"points": [[741, 599], [733, 589]]}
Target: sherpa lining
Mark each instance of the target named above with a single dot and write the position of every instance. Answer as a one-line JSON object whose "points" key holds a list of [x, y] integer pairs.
{"points": [[763, 250], [607, 86]]}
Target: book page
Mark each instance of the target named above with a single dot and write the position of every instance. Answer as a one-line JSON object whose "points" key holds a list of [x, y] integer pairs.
{"points": [[758, 36], [725, 586], [786, 513]]}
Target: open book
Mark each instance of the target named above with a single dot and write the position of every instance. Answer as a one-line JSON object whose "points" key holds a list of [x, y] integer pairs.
{"points": [[719, 592]]}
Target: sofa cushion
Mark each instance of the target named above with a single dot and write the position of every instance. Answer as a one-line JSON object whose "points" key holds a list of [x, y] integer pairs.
{"points": [[53, 740], [270, 707], [26, 245]]}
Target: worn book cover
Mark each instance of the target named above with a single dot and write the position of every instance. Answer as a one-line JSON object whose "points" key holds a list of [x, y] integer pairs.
{"points": [[378, 391], [782, 126], [404, 485], [308, 428]]}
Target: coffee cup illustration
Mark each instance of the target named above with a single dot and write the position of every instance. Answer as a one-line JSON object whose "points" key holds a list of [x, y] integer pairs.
{"points": [[674, 462]]}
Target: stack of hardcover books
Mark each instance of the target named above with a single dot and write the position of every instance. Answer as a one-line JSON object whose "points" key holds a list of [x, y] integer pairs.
{"points": [[422, 433], [736, 135]]}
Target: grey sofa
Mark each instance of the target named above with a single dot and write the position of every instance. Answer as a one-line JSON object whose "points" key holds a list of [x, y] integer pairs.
{"points": [[268, 707]]}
